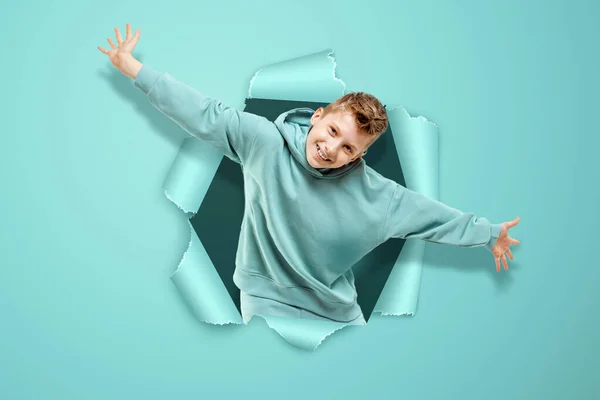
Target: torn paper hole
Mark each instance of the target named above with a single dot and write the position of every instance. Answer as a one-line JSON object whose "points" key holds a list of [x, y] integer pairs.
{"points": [[200, 176]]}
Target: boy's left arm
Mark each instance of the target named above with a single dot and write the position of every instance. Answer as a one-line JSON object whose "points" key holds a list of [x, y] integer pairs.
{"points": [[413, 215]]}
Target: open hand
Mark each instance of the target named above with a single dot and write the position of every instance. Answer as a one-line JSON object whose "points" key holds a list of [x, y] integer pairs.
{"points": [[500, 248], [120, 54]]}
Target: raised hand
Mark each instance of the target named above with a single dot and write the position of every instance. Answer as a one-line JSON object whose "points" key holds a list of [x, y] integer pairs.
{"points": [[501, 247], [120, 54]]}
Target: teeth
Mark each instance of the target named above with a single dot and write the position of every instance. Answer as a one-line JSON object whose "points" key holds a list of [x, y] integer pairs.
{"points": [[321, 154]]}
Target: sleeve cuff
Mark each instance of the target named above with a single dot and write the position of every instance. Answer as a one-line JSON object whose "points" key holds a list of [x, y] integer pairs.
{"points": [[495, 232], [146, 78]]}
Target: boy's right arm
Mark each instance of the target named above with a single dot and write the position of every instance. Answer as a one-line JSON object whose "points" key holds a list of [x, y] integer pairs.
{"points": [[230, 131]]}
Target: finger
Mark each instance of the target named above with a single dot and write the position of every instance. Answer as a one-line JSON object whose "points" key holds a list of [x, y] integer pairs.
{"points": [[112, 44], [504, 262], [128, 32], [102, 49], [497, 264], [514, 222], [510, 254], [515, 241], [133, 41], [119, 38]]}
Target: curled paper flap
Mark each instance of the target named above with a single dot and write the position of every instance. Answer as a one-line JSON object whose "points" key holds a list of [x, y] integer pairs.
{"points": [[304, 333], [308, 78], [416, 141], [201, 287], [191, 173]]}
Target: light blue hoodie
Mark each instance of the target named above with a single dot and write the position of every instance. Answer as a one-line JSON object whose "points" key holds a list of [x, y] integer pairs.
{"points": [[303, 229]]}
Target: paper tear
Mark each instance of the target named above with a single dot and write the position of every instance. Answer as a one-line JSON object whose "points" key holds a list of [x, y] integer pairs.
{"points": [[333, 71], [319, 338], [383, 313], [186, 250], [329, 334], [418, 117], [310, 78], [251, 83], [168, 196], [314, 79], [201, 287]]}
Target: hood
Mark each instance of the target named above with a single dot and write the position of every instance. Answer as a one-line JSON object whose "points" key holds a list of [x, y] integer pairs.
{"points": [[294, 126]]}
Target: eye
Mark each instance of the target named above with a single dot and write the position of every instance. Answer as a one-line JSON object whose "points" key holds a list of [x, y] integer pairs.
{"points": [[332, 132], [348, 148]]}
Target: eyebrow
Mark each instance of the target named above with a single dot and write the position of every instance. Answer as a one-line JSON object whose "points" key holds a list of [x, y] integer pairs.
{"points": [[340, 131]]}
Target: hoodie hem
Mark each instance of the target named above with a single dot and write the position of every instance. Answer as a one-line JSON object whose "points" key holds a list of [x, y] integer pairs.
{"points": [[305, 298]]}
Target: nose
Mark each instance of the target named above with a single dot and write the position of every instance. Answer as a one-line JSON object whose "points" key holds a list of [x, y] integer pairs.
{"points": [[332, 147]]}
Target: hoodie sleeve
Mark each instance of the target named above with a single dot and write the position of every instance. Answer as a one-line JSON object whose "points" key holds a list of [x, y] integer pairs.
{"points": [[230, 131], [413, 215]]}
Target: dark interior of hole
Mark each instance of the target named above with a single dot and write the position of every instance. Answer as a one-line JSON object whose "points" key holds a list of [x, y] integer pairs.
{"points": [[219, 218]]}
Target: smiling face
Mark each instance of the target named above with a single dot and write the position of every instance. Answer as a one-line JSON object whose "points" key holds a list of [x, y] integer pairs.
{"points": [[336, 137]]}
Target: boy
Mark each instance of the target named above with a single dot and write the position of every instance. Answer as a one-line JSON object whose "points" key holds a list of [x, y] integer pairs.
{"points": [[313, 208]]}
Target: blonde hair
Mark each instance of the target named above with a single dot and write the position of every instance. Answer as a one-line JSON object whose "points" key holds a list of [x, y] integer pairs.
{"points": [[370, 115]]}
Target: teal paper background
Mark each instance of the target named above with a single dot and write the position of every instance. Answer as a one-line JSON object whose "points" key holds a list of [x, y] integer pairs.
{"points": [[87, 309]]}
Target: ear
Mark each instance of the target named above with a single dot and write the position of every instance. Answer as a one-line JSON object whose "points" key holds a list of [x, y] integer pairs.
{"points": [[316, 115]]}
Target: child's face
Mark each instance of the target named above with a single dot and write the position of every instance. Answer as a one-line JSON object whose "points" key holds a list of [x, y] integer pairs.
{"points": [[336, 137]]}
